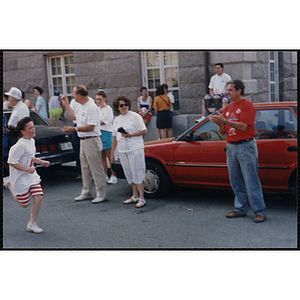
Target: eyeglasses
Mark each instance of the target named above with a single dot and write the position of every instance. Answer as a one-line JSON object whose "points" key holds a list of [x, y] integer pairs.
{"points": [[121, 105]]}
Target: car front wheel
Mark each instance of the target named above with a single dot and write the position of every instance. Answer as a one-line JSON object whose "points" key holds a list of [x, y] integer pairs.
{"points": [[157, 181]]}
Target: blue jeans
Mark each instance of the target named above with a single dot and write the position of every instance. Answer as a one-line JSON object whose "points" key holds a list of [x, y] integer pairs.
{"points": [[242, 162]]}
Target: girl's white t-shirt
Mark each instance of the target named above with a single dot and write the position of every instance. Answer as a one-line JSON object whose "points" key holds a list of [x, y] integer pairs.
{"points": [[22, 152], [131, 122], [107, 116]]}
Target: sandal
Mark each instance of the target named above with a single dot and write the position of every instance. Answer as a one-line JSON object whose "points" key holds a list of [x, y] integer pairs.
{"points": [[141, 203], [131, 200]]}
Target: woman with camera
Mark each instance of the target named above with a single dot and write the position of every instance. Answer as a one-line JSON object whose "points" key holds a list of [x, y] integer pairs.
{"points": [[129, 129]]}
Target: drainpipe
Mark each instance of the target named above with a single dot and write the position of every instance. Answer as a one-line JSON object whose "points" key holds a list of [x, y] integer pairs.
{"points": [[207, 63]]}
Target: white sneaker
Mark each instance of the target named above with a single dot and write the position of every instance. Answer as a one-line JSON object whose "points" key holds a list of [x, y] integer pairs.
{"points": [[84, 197], [6, 181], [99, 200], [199, 120], [34, 228], [107, 179], [113, 180]]}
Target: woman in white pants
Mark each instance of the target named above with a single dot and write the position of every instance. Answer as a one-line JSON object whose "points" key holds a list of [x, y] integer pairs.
{"points": [[130, 144]]}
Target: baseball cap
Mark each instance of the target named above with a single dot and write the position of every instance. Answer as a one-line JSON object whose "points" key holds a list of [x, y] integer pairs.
{"points": [[15, 93]]}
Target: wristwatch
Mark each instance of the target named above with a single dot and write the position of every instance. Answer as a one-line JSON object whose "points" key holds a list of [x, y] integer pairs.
{"points": [[76, 129], [225, 122]]}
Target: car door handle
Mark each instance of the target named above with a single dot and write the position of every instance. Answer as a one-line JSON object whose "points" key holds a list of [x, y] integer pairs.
{"points": [[292, 148]]}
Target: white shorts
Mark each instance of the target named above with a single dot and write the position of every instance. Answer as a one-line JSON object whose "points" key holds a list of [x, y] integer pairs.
{"points": [[134, 166]]}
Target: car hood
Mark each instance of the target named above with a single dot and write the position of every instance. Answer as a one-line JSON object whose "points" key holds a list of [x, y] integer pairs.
{"points": [[47, 131], [159, 142]]}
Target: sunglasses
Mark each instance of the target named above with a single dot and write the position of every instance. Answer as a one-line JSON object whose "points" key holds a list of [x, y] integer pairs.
{"points": [[121, 105]]}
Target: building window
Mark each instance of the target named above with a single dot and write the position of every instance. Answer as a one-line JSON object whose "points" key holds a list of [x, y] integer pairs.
{"points": [[158, 68], [273, 77], [61, 75]]}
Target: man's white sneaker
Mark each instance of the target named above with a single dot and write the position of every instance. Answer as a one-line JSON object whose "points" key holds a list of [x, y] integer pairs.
{"points": [[113, 180], [99, 200], [6, 181], [199, 120], [34, 228], [84, 197]]}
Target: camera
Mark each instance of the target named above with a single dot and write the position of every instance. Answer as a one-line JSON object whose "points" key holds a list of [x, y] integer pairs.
{"points": [[122, 130]]}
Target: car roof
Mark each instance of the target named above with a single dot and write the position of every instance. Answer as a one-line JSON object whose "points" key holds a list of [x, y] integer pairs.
{"points": [[281, 103]]}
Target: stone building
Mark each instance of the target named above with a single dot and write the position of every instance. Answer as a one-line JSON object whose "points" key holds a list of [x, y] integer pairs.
{"points": [[268, 75]]}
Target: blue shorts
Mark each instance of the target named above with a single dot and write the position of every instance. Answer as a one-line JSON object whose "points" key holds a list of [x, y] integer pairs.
{"points": [[106, 139]]}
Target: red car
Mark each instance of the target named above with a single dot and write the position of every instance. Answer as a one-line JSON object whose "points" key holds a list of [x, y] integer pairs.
{"points": [[197, 158]]}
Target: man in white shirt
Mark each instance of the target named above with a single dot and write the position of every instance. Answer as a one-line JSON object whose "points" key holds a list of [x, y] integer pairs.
{"points": [[218, 86], [88, 130], [20, 110]]}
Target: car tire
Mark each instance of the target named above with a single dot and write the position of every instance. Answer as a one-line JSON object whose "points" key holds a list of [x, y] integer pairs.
{"points": [[157, 181]]}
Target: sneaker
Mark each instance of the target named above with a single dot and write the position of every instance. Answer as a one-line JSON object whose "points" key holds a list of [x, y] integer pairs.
{"points": [[34, 228], [6, 181], [84, 197], [234, 214], [99, 200], [259, 218], [199, 120], [113, 180], [107, 179]]}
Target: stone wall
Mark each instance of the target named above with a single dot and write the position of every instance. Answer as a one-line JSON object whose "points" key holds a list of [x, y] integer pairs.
{"points": [[120, 73]]}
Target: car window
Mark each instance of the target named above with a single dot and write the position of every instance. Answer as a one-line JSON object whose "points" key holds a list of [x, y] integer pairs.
{"points": [[275, 124], [37, 120], [208, 132]]}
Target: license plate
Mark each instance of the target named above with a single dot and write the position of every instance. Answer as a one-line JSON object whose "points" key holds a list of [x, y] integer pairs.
{"points": [[66, 146]]}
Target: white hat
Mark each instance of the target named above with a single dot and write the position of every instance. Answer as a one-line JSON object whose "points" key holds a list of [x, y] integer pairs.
{"points": [[15, 93]]}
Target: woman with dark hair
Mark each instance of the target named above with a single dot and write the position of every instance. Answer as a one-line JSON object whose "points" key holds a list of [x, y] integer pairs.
{"points": [[40, 105], [129, 129], [162, 105], [106, 129], [23, 179], [144, 105]]}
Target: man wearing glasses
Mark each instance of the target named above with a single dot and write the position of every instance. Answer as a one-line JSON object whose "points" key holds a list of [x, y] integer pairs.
{"points": [[88, 130]]}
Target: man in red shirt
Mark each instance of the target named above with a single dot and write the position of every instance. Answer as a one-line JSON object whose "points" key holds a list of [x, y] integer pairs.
{"points": [[237, 122]]}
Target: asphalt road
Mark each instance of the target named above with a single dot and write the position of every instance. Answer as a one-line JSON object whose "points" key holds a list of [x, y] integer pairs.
{"points": [[186, 219]]}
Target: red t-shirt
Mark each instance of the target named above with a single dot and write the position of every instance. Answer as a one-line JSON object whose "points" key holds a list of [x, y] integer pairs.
{"points": [[242, 111]]}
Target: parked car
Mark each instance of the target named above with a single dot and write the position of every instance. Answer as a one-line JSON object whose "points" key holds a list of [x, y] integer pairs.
{"points": [[51, 143], [197, 158]]}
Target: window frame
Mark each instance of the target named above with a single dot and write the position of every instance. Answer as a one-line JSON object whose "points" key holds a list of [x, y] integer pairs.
{"points": [[63, 74], [274, 82], [162, 73]]}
